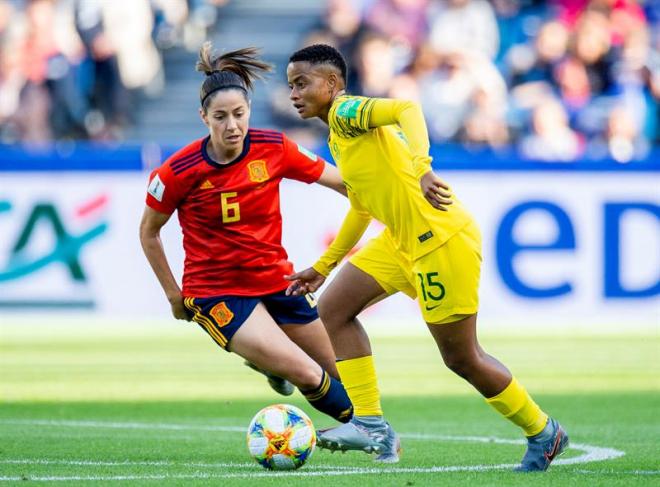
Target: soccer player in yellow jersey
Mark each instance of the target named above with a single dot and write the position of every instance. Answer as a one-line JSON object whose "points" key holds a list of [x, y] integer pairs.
{"points": [[430, 250]]}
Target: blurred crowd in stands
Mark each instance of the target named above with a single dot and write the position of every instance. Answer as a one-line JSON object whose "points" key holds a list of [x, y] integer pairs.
{"points": [[73, 68], [562, 79]]}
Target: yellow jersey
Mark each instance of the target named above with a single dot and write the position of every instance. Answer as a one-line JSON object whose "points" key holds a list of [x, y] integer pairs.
{"points": [[377, 160]]}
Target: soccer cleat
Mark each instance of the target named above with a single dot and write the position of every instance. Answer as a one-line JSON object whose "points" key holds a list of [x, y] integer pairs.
{"points": [[279, 385], [348, 436], [356, 435], [542, 451], [390, 445]]}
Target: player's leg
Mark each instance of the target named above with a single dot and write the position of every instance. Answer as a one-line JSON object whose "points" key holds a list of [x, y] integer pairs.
{"points": [[298, 318], [290, 312], [243, 326], [448, 280], [313, 339], [371, 276], [462, 353], [220, 317], [278, 384], [350, 292], [329, 394], [263, 343]]}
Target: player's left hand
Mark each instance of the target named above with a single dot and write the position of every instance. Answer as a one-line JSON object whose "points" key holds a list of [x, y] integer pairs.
{"points": [[178, 309], [303, 282], [436, 191]]}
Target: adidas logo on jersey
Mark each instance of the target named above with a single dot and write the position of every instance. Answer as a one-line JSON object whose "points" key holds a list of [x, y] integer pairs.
{"points": [[206, 185]]}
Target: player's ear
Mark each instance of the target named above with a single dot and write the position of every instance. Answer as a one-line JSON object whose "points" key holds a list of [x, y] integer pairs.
{"points": [[332, 80], [204, 116]]}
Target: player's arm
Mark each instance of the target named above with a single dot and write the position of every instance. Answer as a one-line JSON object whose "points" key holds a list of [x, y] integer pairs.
{"points": [[409, 116], [150, 225], [330, 178], [354, 225]]}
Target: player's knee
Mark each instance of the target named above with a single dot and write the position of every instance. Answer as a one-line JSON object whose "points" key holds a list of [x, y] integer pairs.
{"points": [[330, 313], [461, 363]]}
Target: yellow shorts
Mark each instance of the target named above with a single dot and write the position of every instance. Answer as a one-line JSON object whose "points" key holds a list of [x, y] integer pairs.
{"points": [[446, 280]]}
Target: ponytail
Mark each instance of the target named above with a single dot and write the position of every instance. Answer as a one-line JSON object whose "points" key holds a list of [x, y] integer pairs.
{"points": [[233, 70]]}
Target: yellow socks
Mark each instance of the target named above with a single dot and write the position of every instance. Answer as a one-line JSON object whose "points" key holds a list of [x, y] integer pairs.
{"points": [[515, 404], [359, 378]]}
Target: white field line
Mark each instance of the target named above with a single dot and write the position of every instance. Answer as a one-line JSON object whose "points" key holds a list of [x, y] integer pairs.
{"points": [[590, 454], [115, 425], [303, 473], [617, 472], [129, 463]]}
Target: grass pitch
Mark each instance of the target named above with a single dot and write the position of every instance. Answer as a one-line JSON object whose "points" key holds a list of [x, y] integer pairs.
{"points": [[109, 404]]}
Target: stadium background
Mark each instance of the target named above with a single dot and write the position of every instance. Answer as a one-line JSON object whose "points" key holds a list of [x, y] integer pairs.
{"points": [[544, 116]]}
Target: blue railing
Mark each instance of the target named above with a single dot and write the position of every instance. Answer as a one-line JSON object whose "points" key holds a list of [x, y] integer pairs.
{"points": [[88, 157]]}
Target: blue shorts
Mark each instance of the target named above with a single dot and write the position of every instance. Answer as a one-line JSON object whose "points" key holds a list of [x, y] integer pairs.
{"points": [[222, 316]]}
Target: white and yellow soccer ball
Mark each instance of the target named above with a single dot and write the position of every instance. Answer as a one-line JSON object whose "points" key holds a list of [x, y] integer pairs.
{"points": [[281, 437]]}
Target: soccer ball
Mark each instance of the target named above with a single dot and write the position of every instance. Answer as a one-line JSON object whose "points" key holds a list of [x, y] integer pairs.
{"points": [[281, 437]]}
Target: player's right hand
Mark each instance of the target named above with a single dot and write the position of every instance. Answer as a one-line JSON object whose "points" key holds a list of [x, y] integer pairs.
{"points": [[303, 282], [178, 309], [436, 191]]}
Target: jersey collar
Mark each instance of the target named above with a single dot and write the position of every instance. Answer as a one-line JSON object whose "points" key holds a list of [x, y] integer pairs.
{"points": [[239, 158]]}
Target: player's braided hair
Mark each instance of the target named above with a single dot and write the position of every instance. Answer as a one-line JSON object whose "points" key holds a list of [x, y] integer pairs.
{"points": [[232, 70], [321, 54]]}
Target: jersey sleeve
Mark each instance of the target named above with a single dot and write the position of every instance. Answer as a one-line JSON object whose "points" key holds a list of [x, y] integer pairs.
{"points": [[349, 116], [164, 191], [301, 164], [352, 116], [410, 118]]}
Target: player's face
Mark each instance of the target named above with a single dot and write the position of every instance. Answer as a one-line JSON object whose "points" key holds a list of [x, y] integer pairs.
{"points": [[312, 90], [227, 116]]}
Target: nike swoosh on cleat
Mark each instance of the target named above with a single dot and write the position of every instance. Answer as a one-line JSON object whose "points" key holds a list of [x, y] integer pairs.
{"points": [[550, 456]]}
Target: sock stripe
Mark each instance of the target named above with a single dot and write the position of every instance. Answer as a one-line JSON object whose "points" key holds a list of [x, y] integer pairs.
{"points": [[330, 398], [321, 391]]}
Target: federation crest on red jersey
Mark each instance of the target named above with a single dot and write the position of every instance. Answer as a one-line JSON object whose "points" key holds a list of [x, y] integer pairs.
{"points": [[258, 171]]}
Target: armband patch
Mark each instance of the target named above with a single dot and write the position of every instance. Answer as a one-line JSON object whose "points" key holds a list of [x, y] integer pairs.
{"points": [[348, 108], [156, 188]]}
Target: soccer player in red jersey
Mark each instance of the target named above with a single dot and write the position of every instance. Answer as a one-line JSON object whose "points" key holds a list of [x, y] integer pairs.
{"points": [[225, 189]]}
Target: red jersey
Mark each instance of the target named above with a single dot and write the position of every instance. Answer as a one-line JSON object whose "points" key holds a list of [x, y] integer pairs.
{"points": [[230, 213]]}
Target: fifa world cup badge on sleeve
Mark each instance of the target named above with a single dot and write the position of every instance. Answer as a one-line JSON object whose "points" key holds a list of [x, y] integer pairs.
{"points": [[156, 188], [307, 153]]}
